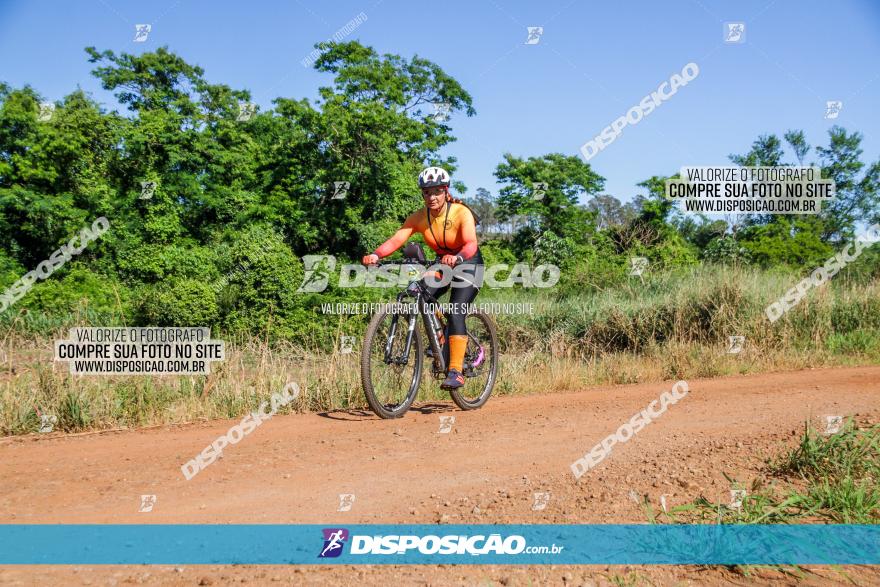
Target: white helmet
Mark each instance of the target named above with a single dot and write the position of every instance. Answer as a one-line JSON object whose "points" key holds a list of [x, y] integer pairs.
{"points": [[433, 176]]}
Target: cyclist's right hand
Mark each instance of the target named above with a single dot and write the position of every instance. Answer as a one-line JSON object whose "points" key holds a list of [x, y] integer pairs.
{"points": [[370, 259]]}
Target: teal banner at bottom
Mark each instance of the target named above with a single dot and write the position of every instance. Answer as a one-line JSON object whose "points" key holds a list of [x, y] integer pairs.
{"points": [[440, 544]]}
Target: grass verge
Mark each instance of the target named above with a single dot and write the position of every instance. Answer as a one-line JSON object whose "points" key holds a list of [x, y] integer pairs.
{"points": [[670, 326], [826, 478]]}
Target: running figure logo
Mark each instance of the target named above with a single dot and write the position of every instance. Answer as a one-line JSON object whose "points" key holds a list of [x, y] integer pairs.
{"points": [[736, 498], [539, 189], [639, 264], [47, 422], [441, 112], [535, 33], [346, 501], [833, 424], [148, 188], [47, 109], [245, 111], [832, 109], [734, 32], [542, 498], [334, 540], [141, 32], [735, 344], [446, 423], [316, 272], [147, 503], [340, 189]]}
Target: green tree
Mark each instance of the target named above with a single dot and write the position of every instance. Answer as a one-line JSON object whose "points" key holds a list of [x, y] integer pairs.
{"points": [[611, 212], [565, 180], [376, 130], [857, 194], [797, 242], [483, 204], [652, 232], [53, 173], [857, 198]]}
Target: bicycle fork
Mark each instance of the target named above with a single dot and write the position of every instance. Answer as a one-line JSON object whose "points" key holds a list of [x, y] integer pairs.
{"points": [[439, 359]]}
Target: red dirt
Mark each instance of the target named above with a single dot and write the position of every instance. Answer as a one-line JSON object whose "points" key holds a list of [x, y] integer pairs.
{"points": [[486, 470]]}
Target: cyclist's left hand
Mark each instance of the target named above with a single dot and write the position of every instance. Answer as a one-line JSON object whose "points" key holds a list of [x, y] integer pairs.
{"points": [[450, 260]]}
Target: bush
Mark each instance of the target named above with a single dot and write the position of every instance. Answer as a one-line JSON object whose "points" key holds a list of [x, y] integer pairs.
{"points": [[259, 288], [551, 249], [798, 244], [150, 262], [77, 290], [179, 302], [726, 250], [496, 251], [10, 270]]}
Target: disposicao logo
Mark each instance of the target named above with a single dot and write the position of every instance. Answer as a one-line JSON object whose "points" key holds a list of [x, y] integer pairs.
{"points": [[334, 541], [477, 545]]}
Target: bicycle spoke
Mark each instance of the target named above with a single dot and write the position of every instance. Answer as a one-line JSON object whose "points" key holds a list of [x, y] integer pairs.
{"points": [[477, 359], [391, 382]]}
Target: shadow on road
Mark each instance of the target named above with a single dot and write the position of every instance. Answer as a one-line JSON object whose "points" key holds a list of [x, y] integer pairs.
{"points": [[357, 415], [349, 415], [434, 408]]}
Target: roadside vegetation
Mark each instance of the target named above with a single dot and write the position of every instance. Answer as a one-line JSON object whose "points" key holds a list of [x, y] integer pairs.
{"points": [[826, 478], [672, 325], [236, 203]]}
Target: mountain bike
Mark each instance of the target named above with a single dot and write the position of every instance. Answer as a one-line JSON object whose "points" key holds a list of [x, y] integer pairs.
{"points": [[393, 354]]}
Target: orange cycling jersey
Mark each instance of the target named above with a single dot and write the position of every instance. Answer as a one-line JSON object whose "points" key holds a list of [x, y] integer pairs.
{"points": [[451, 232]]}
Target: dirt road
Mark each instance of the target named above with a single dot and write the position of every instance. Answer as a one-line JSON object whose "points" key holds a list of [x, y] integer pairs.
{"points": [[292, 469]]}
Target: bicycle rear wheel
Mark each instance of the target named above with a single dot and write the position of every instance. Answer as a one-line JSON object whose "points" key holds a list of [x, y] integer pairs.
{"points": [[390, 380], [480, 363]]}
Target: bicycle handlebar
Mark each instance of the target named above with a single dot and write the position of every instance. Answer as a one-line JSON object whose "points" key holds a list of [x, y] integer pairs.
{"points": [[407, 262]]}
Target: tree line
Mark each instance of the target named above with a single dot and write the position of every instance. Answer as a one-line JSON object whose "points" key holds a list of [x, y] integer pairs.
{"points": [[196, 184]]}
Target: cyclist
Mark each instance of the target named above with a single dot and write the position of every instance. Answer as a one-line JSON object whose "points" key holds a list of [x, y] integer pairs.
{"points": [[449, 228]]}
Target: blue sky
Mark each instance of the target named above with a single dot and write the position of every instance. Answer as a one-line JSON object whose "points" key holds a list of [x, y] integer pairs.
{"points": [[593, 62]]}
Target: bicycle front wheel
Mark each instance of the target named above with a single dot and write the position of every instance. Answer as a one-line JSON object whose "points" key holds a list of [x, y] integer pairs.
{"points": [[391, 372]]}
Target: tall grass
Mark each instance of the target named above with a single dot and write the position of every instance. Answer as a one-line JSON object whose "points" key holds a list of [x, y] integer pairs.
{"points": [[703, 305], [833, 479], [671, 325]]}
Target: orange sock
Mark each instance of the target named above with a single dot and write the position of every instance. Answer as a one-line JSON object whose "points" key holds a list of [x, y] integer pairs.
{"points": [[457, 346]]}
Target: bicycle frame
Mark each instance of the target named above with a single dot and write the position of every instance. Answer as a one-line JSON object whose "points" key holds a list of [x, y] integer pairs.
{"points": [[416, 290]]}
